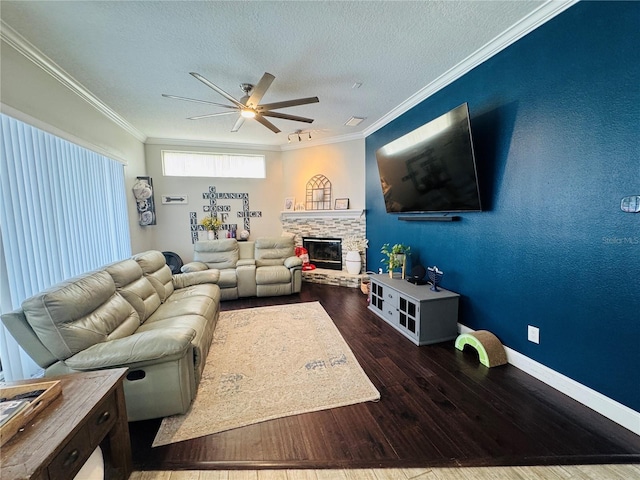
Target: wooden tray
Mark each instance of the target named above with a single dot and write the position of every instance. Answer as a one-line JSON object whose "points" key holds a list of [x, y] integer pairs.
{"points": [[24, 416]]}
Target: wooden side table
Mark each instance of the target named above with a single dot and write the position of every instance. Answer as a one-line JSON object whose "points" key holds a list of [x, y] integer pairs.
{"points": [[89, 412]]}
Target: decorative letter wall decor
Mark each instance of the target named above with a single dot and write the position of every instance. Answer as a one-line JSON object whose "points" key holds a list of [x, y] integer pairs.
{"points": [[143, 193], [223, 211]]}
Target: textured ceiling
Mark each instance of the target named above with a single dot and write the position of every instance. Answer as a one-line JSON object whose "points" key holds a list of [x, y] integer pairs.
{"points": [[128, 53]]}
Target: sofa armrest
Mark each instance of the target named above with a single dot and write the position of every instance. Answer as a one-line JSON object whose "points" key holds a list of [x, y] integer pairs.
{"points": [[194, 267], [243, 262], [140, 349], [293, 262], [182, 280]]}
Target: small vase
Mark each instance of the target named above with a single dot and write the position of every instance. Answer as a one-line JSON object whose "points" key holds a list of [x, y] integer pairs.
{"points": [[211, 234], [353, 262]]}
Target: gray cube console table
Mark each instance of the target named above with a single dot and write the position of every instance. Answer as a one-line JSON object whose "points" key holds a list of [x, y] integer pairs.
{"points": [[416, 311]]}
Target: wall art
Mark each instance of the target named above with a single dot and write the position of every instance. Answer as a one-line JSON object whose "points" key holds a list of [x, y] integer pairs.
{"points": [[218, 209], [143, 193]]}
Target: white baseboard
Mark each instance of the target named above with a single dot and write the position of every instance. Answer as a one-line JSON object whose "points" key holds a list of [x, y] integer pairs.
{"points": [[621, 414]]}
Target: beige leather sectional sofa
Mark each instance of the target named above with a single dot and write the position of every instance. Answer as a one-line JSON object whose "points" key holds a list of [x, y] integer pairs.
{"points": [[136, 314], [265, 267], [133, 313]]}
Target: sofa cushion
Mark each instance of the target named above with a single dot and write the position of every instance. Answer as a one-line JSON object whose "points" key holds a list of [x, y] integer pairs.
{"points": [[186, 302], [134, 287], [228, 278], [137, 350], [194, 267], [203, 328], [20, 329], [218, 254], [272, 274], [155, 268], [79, 313], [273, 251], [183, 280], [209, 290]]}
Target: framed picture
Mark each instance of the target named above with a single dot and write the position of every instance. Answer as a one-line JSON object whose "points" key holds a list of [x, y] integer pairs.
{"points": [[289, 204], [175, 200], [342, 204]]}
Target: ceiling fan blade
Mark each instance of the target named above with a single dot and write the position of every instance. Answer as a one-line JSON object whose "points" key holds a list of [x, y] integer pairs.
{"points": [[287, 103], [198, 117], [198, 101], [267, 123], [260, 89], [284, 116], [238, 124], [217, 89]]}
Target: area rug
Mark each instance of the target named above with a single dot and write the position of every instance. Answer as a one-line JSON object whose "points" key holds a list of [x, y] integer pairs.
{"points": [[270, 362]]}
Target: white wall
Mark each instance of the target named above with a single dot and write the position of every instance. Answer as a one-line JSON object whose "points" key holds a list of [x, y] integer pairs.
{"points": [[287, 175], [342, 163], [33, 96], [172, 232]]}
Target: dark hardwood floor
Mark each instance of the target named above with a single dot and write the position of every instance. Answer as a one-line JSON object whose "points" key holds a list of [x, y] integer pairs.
{"points": [[438, 407]]}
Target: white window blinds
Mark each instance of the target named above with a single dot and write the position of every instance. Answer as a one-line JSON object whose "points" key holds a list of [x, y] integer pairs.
{"points": [[63, 213]]}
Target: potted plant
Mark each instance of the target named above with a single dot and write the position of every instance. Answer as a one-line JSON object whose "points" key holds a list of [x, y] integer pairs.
{"points": [[396, 256], [354, 246], [211, 224]]}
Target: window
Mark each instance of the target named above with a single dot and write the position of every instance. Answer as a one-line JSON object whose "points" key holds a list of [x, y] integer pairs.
{"points": [[63, 212], [220, 165]]}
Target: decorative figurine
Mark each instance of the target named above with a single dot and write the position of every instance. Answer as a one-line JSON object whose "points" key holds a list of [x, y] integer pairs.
{"points": [[435, 276]]}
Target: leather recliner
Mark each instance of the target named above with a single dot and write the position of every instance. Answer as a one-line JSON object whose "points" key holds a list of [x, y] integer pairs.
{"points": [[133, 313], [265, 267]]}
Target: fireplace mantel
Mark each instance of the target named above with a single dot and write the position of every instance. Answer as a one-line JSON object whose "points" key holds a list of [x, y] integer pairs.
{"points": [[309, 214], [328, 224]]}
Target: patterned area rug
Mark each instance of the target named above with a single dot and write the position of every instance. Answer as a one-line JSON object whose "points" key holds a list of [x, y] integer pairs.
{"points": [[270, 362]]}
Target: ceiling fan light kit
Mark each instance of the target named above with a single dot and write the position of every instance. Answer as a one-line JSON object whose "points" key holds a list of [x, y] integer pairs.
{"points": [[249, 105]]}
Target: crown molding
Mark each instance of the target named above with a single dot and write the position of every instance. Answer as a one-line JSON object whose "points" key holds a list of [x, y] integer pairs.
{"points": [[535, 19], [32, 53], [538, 17], [211, 144], [322, 141], [45, 127], [252, 146]]}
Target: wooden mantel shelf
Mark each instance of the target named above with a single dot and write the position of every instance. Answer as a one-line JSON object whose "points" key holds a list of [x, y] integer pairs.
{"points": [[321, 213]]}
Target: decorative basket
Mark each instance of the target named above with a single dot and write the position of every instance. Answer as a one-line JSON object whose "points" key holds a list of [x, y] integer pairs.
{"points": [[365, 286]]}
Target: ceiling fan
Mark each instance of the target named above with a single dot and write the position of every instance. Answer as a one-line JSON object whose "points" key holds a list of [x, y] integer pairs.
{"points": [[249, 105]]}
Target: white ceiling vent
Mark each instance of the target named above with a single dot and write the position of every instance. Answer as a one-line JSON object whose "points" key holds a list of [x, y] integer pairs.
{"points": [[354, 121]]}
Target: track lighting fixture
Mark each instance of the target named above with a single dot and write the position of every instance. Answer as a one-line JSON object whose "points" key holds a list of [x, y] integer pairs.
{"points": [[299, 134]]}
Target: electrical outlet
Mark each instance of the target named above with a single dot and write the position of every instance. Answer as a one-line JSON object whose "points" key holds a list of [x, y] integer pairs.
{"points": [[533, 334]]}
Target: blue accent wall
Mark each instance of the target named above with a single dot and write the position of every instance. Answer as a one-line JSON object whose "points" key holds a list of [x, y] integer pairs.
{"points": [[556, 124]]}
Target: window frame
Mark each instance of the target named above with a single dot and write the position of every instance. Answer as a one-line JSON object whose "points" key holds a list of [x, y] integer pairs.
{"points": [[224, 156]]}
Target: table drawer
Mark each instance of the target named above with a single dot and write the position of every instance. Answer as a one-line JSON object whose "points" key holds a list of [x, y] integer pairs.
{"points": [[104, 418], [73, 455], [390, 297]]}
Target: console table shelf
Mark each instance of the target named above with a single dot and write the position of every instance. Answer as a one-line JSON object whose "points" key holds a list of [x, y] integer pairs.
{"points": [[416, 311], [90, 411]]}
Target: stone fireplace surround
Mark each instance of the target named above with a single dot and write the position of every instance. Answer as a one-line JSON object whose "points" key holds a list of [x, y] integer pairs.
{"points": [[328, 224]]}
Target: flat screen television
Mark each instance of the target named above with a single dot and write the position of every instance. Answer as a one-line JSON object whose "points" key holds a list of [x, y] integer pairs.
{"points": [[431, 169]]}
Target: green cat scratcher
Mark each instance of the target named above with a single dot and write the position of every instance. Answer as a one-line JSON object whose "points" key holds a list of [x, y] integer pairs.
{"points": [[491, 353]]}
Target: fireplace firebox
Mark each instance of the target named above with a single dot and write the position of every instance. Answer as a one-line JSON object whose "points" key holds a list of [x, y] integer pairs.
{"points": [[324, 252]]}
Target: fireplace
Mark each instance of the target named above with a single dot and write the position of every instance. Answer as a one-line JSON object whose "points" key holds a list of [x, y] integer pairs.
{"points": [[324, 252]]}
